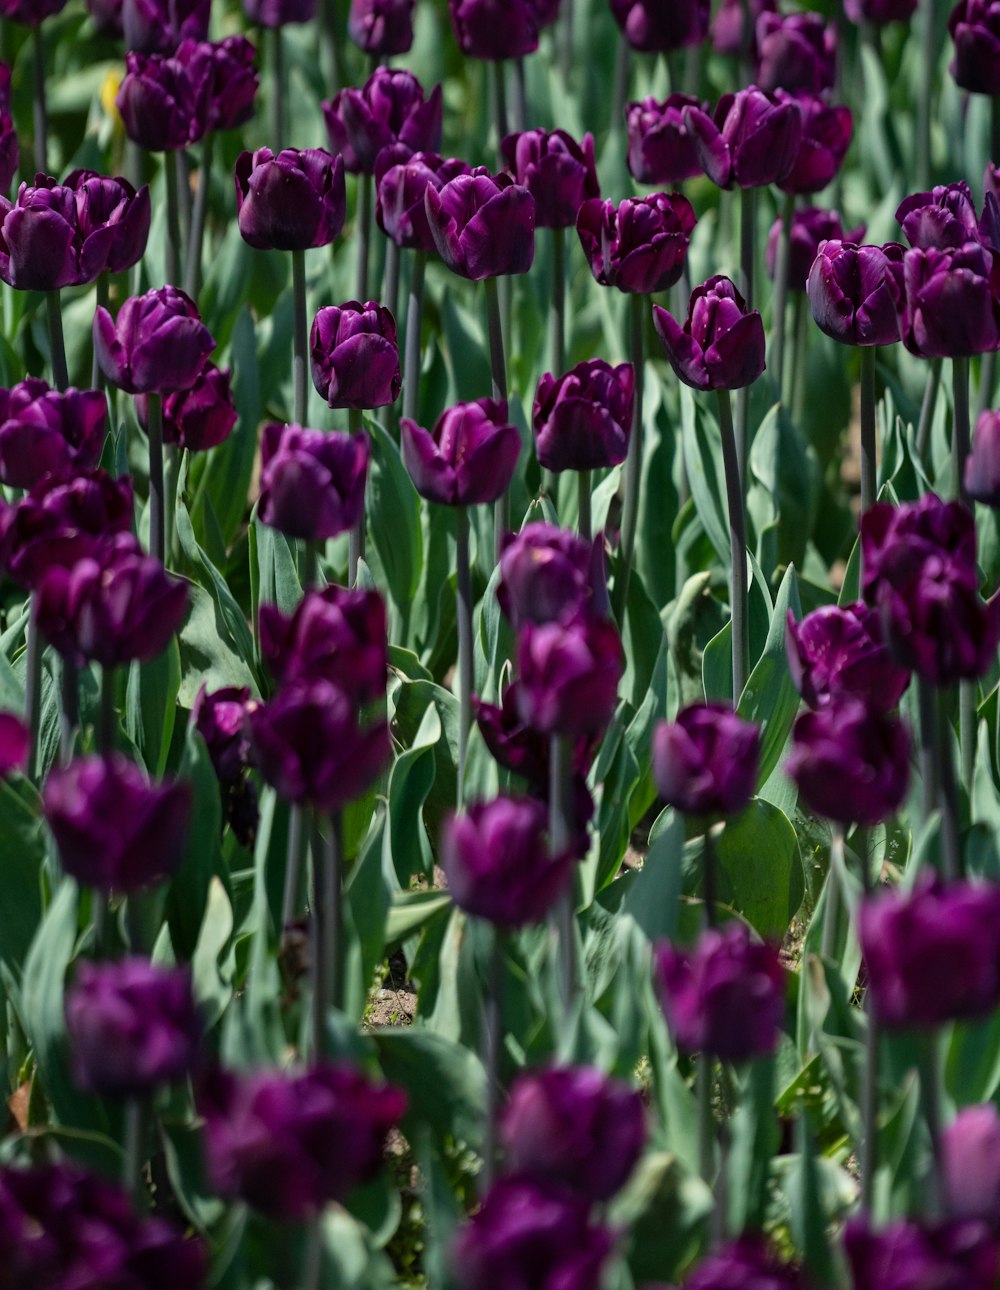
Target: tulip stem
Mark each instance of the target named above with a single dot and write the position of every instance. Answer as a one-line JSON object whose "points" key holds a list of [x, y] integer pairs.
{"points": [[492, 1049], [927, 407], [57, 344], [199, 211], [633, 462], [800, 347], [327, 929], [831, 904], [300, 356], [584, 524], [869, 1107], [101, 301], [364, 230], [557, 316], [961, 430], [499, 103], [154, 431], [620, 90], [277, 52], [464, 608], [951, 837], [356, 537], [135, 1132], [41, 112], [295, 856], [780, 310], [928, 747], [868, 430], [923, 138], [390, 278], [106, 726], [929, 1065], [32, 684], [705, 1085], [566, 15], [561, 827], [709, 878], [520, 96], [498, 368], [173, 265], [738, 544], [70, 716], [748, 231], [414, 322]]}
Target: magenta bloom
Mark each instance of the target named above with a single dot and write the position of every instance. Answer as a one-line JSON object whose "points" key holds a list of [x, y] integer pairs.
{"points": [[582, 419], [970, 1148], [483, 225], [721, 345], [835, 652], [640, 245], [467, 459], [354, 355], [855, 292], [705, 761], [220, 717], [559, 173], [157, 344], [569, 675], [276, 13], [975, 29], [574, 1126], [909, 1255], [811, 227], [49, 432], [548, 574], [381, 27], [224, 78], [201, 417], [746, 1264], [132, 1026], [333, 635], [725, 998], [15, 744], [796, 52], [727, 30], [826, 135], [401, 181], [288, 1144], [312, 483], [982, 466], [498, 865], [880, 12], [654, 27], [30, 13], [752, 139], [945, 217], [159, 26], [162, 106], [495, 29], [390, 108], [292, 201], [951, 303], [114, 829], [660, 148]]}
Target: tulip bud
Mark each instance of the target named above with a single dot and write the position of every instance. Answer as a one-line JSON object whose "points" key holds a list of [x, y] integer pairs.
{"points": [[382, 28], [354, 355], [15, 744], [569, 675], [951, 304], [49, 432], [224, 78], [796, 52], [162, 107], [30, 13], [835, 652], [880, 12], [705, 761], [276, 13], [922, 1255], [558, 172], [495, 29], [753, 138], [402, 180], [312, 482], [746, 1264], [641, 245], [826, 135], [157, 344], [855, 291], [467, 459], [201, 417], [721, 345], [727, 30], [660, 149], [653, 27], [483, 225], [159, 26], [220, 717], [975, 29], [582, 419], [970, 1152], [332, 635], [982, 466], [548, 574], [391, 108], [292, 201]]}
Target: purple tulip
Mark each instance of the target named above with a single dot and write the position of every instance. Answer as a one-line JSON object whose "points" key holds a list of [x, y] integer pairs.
{"points": [[390, 108], [640, 245], [835, 652], [467, 459], [497, 860], [157, 345], [276, 13], [10, 150], [49, 432], [951, 303], [574, 1126], [289, 1144], [909, 1255], [225, 79], [982, 466], [850, 762], [312, 482], [559, 173], [62, 1227], [753, 138], [826, 135], [382, 28], [569, 674], [220, 717], [114, 829], [726, 997], [660, 149], [880, 12], [332, 635], [896, 541], [583, 418], [945, 217], [810, 228], [721, 345], [309, 745], [975, 29], [495, 29], [163, 108], [855, 293], [201, 417], [548, 574], [114, 607], [727, 30], [354, 355], [705, 761], [292, 201], [970, 1154], [159, 26], [401, 181], [15, 744], [132, 1026], [746, 1264], [796, 52], [30, 13], [653, 27], [483, 225], [107, 16]]}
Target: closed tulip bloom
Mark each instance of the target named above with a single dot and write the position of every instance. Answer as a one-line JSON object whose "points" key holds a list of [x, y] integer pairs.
{"points": [[640, 245], [107, 16], [836, 651], [483, 225], [309, 745], [288, 1144], [559, 173], [225, 78], [880, 12], [548, 574], [401, 181], [569, 674], [944, 217], [855, 293], [752, 139], [30, 13], [159, 26], [796, 52], [951, 304], [163, 108], [276, 13], [583, 418], [705, 761], [746, 1264], [660, 149], [333, 634], [726, 997], [811, 227], [354, 355], [312, 483], [114, 830], [975, 29], [727, 29], [47, 432], [203, 416], [220, 717], [467, 459], [826, 135], [982, 466], [897, 541], [497, 860], [292, 201], [15, 744], [383, 28], [721, 345], [390, 108], [970, 1152], [575, 1126], [132, 1026], [157, 344], [919, 1255], [652, 27], [495, 29]]}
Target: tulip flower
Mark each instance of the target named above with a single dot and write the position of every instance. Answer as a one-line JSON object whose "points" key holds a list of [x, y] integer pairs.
{"points": [[808, 229], [220, 717], [15, 744], [970, 1149], [198, 418], [334, 634], [660, 148], [729, 37], [953, 1252], [354, 356], [277, 13], [982, 466], [880, 12], [312, 481], [975, 28], [549, 575], [752, 139], [569, 675], [495, 29], [46, 432], [655, 28], [838, 651], [796, 52], [382, 28], [32, 13], [705, 761], [159, 26], [743, 1264]]}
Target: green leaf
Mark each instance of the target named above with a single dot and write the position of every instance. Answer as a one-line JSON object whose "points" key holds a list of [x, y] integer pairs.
{"points": [[407, 848], [212, 966], [706, 477], [188, 893], [24, 857], [411, 911], [664, 1211], [770, 698], [209, 656], [445, 1083], [273, 571], [393, 509], [151, 706]]}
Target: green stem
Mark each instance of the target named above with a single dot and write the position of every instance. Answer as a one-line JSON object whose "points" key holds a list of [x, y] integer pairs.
{"points": [[199, 212], [309, 564], [101, 301], [294, 860], [705, 1084], [170, 502], [968, 724], [492, 1049], [464, 611], [961, 429], [929, 1062], [566, 23], [561, 826], [929, 781], [951, 835], [831, 904], [709, 878], [154, 431], [135, 1132], [364, 238], [498, 369], [619, 92], [520, 96], [356, 537], [53, 306], [277, 51], [390, 277], [173, 265], [414, 321], [41, 112], [557, 314], [499, 103], [927, 406], [70, 715], [781, 291], [738, 545], [924, 99], [748, 250], [327, 928], [868, 432], [583, 485], [800, 348], [869, 1108], [633, 462], [108, 715], [33, 647], [300, 352]]}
